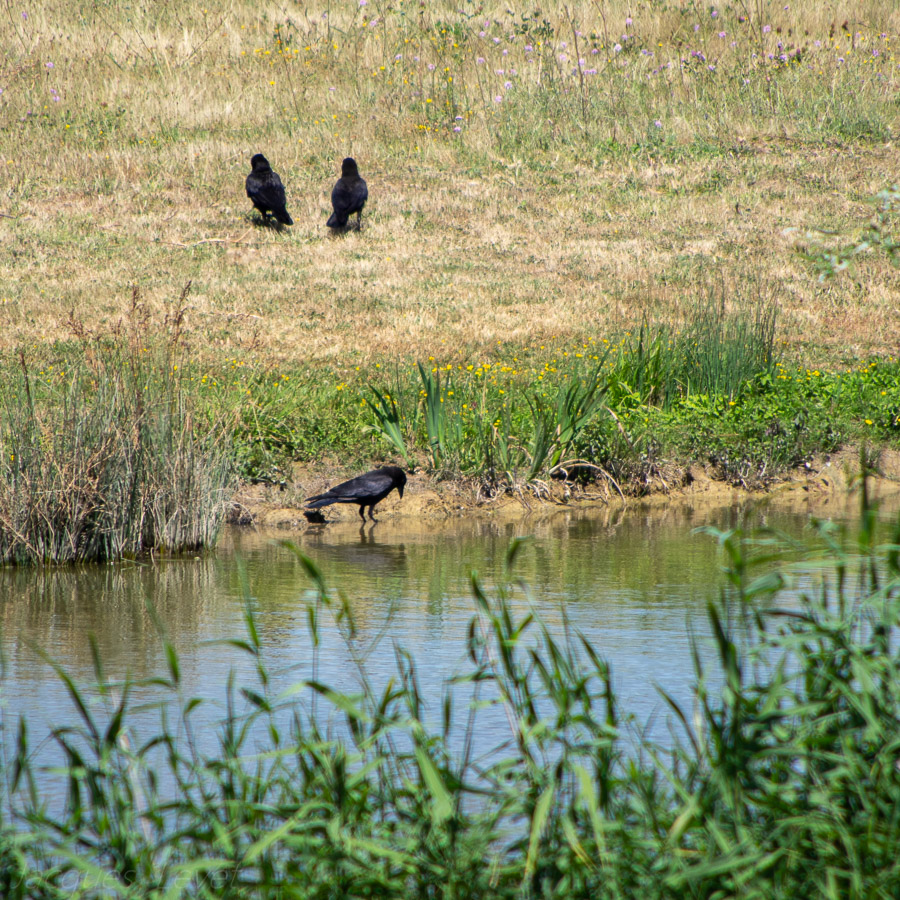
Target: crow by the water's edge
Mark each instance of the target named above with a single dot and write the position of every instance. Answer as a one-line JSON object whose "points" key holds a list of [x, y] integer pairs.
{"points": [[265, 189], [365, 490], [348, 196]]}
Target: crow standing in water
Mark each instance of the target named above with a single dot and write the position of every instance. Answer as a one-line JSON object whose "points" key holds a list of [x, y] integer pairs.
{"points": [[265, 189], [349, 196], [366, 490]]}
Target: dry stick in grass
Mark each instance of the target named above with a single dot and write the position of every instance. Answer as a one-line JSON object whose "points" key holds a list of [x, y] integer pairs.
{"points": [[578, 66], [236, 240], [290, 80], [561, 467], [608, 49], [113, 31], [209, 34], [12, 22]]}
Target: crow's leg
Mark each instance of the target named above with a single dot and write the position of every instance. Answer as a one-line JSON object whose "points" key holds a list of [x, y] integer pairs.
{"points": [[362, 512], [359, 220], [372, 512]]}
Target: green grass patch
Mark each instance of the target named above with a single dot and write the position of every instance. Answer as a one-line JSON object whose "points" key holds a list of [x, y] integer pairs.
{"points": [[714, 391], [112, 447]]}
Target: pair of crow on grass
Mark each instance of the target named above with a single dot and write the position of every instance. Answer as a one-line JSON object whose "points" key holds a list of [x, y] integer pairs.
{"points": [[265, 189], [364, 490]]}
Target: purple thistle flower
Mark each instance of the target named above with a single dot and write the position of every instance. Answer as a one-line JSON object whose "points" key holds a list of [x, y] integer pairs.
{"points": [[617, 48], [498, 99], [767, 29], [50, 65], [430, 67], [507, 85], [657, 124], [480, 60], [696, 28], [528, 48], [482, 34], [722, 34], [628, 21]]}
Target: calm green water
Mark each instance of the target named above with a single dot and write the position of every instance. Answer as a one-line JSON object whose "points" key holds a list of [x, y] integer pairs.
{"points": [[635, 582]]}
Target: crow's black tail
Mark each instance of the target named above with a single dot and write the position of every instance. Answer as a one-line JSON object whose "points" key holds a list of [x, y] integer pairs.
{"points": [[283, 216], [320, 500]]}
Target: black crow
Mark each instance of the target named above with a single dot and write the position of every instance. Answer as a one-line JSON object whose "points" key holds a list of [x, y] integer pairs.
{"points": [[349, 196], [366, 490], [265, 189]]}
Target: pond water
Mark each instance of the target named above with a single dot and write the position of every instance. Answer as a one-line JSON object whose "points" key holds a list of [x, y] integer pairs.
{"points": [[634, 581]]}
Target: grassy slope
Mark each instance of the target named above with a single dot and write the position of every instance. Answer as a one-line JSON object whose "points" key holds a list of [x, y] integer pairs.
{"points": [[539, 218], [566, 208]]}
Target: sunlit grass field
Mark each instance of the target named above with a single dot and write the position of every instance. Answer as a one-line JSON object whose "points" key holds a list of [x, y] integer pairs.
{"points": [[537, 176]]}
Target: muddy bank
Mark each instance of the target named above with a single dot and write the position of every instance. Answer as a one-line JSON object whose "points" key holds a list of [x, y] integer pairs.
{"points": [[829, 482]]}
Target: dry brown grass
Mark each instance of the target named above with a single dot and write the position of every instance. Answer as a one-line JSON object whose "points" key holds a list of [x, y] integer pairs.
{"points": [[468, 239]]}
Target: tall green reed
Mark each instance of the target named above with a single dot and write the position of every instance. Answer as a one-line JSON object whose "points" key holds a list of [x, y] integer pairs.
{"points": [[780, 782], [105, 456], [715, 352], [535, 426], [463, 429]]}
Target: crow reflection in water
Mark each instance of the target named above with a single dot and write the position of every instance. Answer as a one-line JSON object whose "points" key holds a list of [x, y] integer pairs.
{"points": [[364, 490], [357, 560]]}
